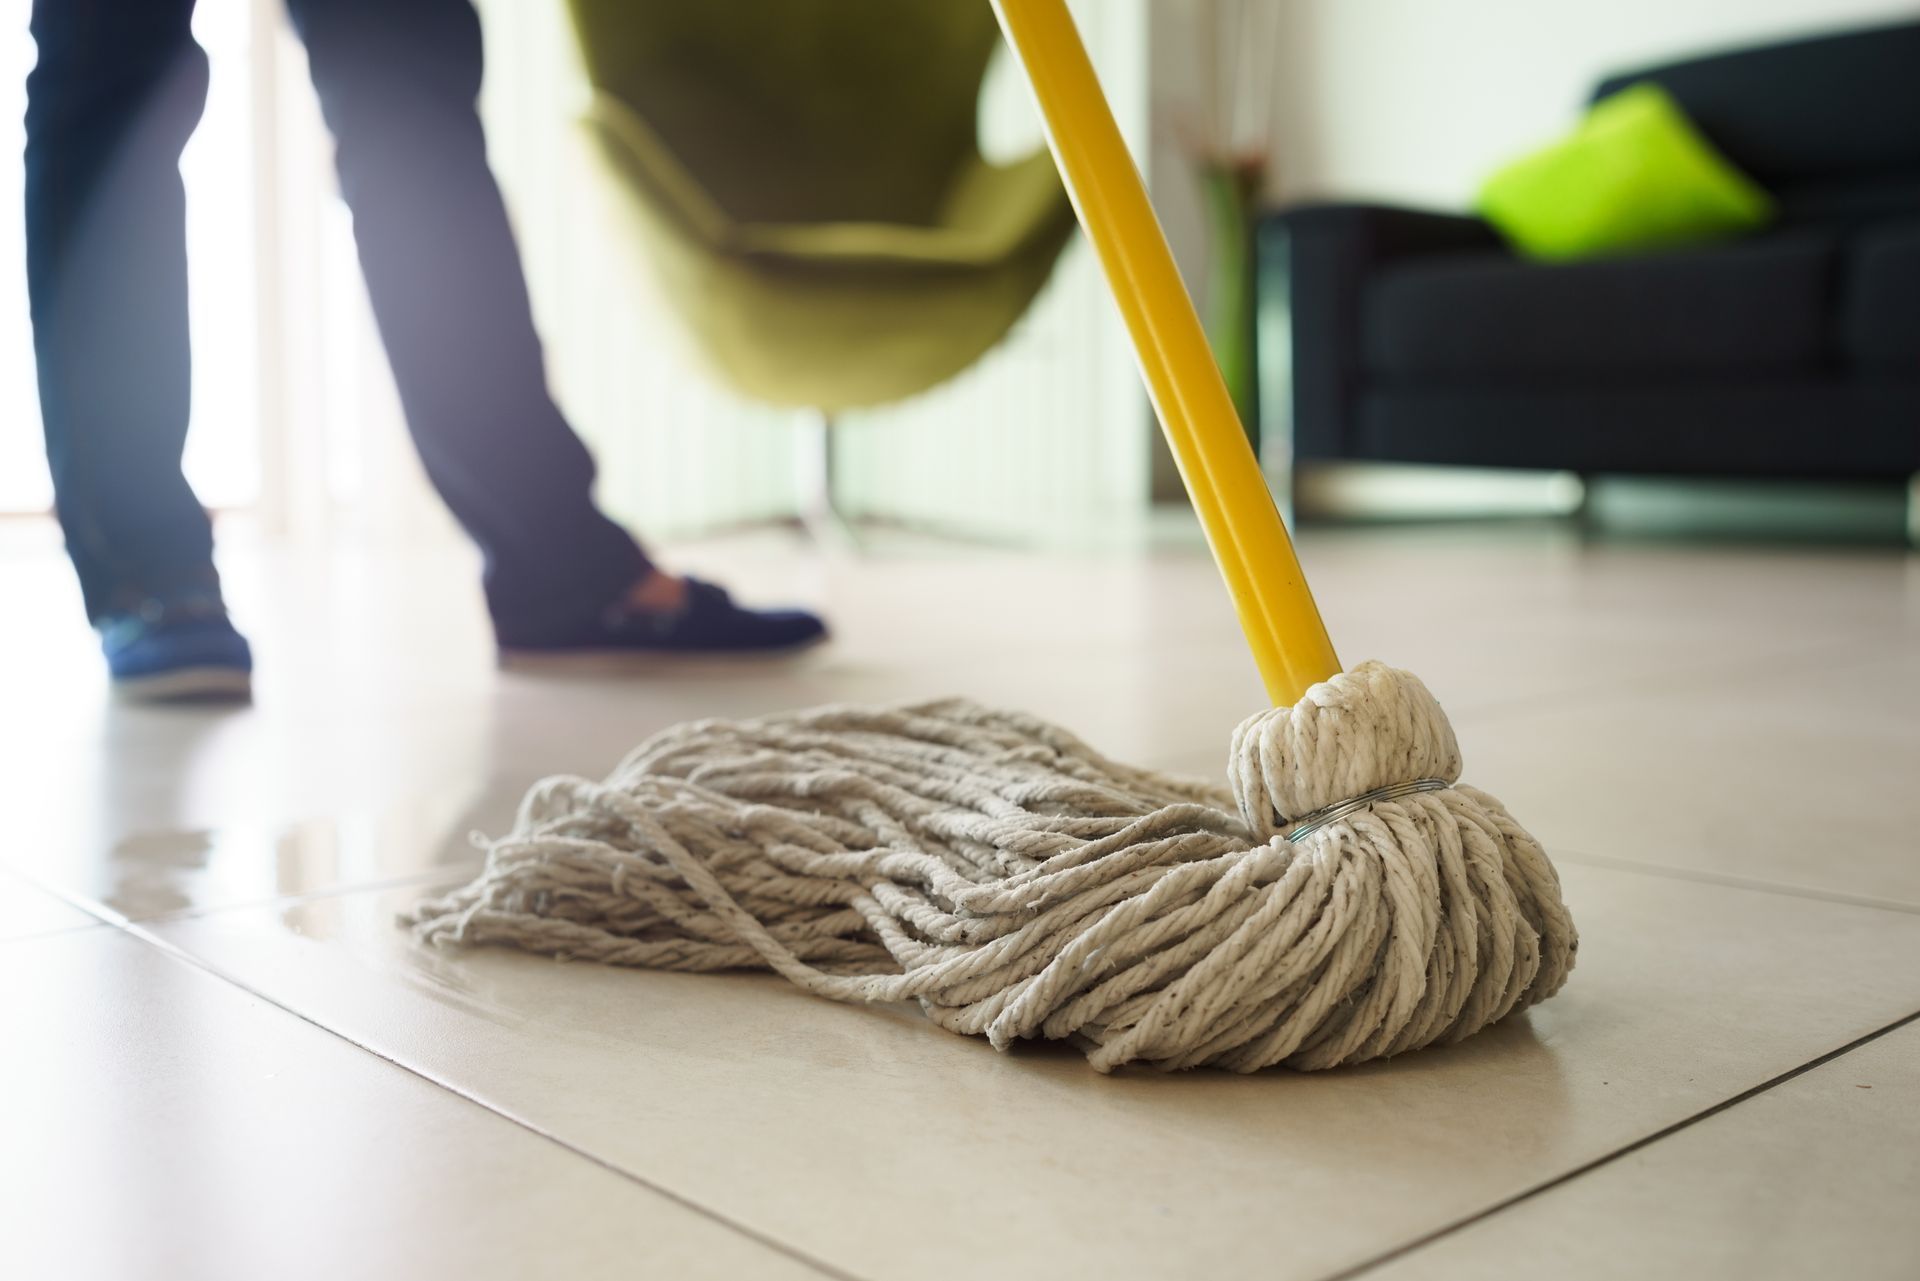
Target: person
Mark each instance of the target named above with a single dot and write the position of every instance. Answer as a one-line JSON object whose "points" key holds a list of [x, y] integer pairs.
{"points": [[116, 91]]}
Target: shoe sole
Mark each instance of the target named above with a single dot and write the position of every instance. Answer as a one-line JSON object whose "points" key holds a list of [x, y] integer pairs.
{"points": [[187, 685], [628, 662]]}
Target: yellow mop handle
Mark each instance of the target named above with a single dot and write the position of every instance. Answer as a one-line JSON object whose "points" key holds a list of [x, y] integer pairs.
{"points": [[1249, 542]]}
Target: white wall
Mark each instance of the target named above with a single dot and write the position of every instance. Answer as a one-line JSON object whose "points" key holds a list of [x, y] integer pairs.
{"points": [[1418, 100]]}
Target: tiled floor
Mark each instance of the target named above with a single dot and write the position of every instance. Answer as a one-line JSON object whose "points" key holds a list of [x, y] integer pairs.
{"points": [[222, 1058]]}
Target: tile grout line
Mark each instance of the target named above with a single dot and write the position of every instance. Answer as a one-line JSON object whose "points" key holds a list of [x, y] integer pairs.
{"points": [[1732, 881], [1507, 1203], [138, 931], [33, 936], [101, 914], [399, 881]]}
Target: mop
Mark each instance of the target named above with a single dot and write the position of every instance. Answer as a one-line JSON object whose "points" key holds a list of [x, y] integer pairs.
{"points": [[1344, 898]]}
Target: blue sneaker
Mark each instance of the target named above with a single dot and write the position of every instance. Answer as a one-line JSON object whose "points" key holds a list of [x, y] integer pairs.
{"points": [[177, 650], [708, 622]]}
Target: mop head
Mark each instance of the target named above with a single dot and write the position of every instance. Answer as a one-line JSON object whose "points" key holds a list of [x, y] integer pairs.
{"points": [[1346, 900]]}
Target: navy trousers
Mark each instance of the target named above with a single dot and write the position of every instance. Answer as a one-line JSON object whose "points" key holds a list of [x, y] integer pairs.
{"points": [[117, 90]]}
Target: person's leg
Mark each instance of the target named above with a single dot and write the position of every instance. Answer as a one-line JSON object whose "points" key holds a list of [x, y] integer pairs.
{"points": [[398, 81], [116, 91]]}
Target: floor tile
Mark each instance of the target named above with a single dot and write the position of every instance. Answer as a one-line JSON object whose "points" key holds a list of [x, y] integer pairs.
{"points": [[167, 1124], [1806, 591], [1805, 777], [1803, 1180], [379, 708], [26, 911], [372, 709], [869, 1139], [1490, 619], [1486, 617], [1710, 712], [155, 874]]}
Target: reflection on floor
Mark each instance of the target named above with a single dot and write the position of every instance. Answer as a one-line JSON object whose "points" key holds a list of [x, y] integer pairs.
{"points": [[225, 1060]]}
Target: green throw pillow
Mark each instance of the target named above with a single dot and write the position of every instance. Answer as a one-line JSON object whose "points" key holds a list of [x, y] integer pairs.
{"points": [[1636, 174]]}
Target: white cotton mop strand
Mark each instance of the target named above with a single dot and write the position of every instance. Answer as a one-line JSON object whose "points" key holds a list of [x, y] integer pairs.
{"points": [[1346, 899]]}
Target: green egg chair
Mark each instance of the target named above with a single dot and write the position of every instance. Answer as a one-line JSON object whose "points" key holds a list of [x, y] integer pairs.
{"points": [[807, 178]]}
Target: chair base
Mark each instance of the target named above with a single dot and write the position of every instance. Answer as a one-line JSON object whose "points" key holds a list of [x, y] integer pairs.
{"points": [[820, 513]]}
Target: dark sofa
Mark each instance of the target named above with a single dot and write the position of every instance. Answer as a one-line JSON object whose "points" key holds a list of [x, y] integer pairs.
{"points": [[1418, 337]]}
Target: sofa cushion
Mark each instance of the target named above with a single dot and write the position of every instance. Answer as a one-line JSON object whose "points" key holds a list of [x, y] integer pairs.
{"points": [[1880, 307], [1841, 428], [1852, 203], [1758, 305], [1634, 175], [1828, 107]]}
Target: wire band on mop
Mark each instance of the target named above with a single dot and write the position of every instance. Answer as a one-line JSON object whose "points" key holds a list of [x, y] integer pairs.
{"points": [[1317, 819]]}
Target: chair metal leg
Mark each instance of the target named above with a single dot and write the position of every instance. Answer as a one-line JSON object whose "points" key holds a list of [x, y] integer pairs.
{"points": [[1586, 521], [820, 514]]}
